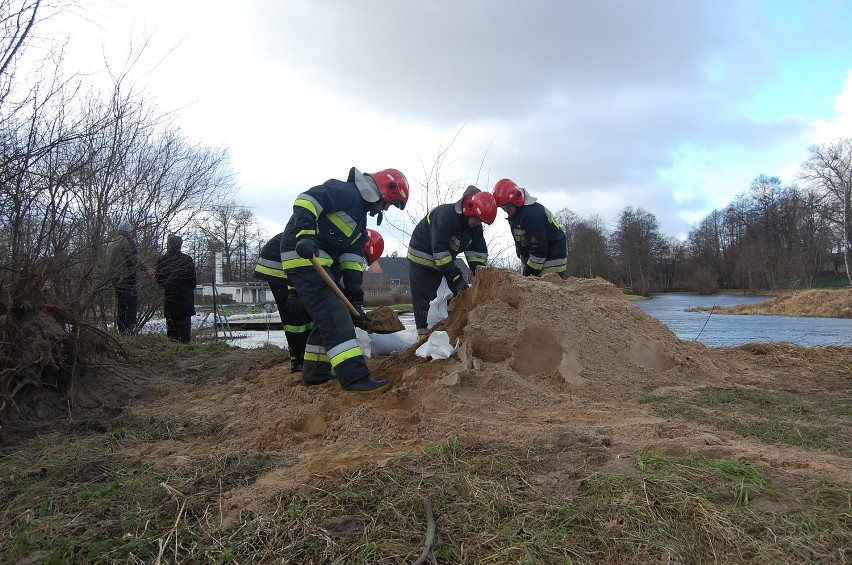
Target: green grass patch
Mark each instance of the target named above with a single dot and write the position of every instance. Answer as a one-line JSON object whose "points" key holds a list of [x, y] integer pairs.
{"points": [[814, 420], [488, 500]]}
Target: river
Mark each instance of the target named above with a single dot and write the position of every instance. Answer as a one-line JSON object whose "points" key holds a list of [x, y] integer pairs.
{"points": [[715, 330], [711, 329]]}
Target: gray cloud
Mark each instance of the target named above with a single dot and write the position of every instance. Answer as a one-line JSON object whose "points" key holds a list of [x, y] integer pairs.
{"points": [[594, 98]]}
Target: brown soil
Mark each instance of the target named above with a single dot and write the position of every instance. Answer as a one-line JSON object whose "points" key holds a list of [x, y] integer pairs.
{"points": [[805, 303], [555, 363], [385, 320]]}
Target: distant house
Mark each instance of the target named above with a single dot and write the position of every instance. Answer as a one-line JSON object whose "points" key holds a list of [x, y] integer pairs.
{"points": [[249, 292], [388, 276]]}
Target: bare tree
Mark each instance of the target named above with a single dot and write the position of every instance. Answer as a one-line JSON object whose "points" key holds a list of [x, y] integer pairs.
{"points": [[829, 170], [234, 230], [636, 241]]}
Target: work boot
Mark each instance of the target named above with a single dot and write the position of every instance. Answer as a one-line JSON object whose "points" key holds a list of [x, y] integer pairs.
{"points": [[367, 385], [295, 365]]}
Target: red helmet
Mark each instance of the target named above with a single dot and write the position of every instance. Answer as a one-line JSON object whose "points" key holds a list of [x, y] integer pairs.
{"points": [[481, 205], [507, 192], [393, 186], [374, 246]]}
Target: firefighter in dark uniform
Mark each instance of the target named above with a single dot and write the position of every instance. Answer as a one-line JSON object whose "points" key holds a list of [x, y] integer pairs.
{"points": [[327, 226], [540, 243], [317, 367], [446, 231], [296, 322]]}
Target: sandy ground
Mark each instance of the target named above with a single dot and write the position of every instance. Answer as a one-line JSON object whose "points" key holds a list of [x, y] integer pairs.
{"points": [[562, 364]]}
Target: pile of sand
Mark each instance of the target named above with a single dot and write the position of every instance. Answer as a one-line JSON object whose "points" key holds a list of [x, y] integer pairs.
{"points": [[836, 303], [538, 357]]}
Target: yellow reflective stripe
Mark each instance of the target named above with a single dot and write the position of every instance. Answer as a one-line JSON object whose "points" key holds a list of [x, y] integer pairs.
{"points": [[444, 260], [269, 271], [557, 269], [306, 232], [343, 351], [535, 263], [341, 224], [299, 329], [346, 355], [351, 266], [300, 262], [420, 260], [476, 257], [316, 357], [307, 205]]}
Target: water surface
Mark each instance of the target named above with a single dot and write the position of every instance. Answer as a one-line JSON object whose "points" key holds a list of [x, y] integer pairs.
{"points": [[715, 330]]}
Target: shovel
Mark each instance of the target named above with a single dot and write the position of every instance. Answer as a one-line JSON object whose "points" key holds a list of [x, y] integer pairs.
{"points": [[333, 286]]}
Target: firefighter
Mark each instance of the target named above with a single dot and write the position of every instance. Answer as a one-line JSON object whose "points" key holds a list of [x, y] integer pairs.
{"points": [[296, 322], [327, 226], [317, 368], [540, 243], [446, 231]]}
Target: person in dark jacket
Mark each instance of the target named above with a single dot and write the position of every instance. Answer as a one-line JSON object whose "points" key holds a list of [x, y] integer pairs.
{"points": [[123, 266], [540, 243], [175, 272], [326, 231], [446, 231], [295, 320]]}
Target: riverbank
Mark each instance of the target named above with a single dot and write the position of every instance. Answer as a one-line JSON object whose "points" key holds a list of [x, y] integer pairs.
{"points": [[816, 303]]}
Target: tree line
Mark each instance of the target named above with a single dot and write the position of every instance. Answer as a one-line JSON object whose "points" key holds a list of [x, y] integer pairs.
{"points": [[76, 162], [769, 237]]}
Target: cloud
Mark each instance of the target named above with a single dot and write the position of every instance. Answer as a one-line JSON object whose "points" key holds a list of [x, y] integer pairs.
{"points": [[840, 126], [593, 106]]}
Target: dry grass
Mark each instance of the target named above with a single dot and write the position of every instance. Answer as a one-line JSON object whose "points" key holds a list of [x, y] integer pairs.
{"points": [[79, 502]]}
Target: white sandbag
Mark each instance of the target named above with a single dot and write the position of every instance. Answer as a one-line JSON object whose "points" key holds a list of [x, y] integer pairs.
{"points": [[364, 341], [438, 305], [385, 344], [437, 346]]}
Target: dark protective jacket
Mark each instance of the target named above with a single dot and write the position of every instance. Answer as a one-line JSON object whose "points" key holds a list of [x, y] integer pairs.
{"points": [[123, 261], [539, 241], [335, 215], [176, 274], [441, 236], [268, 267]]}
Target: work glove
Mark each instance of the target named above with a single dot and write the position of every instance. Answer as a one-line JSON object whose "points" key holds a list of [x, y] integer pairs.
{"points": [[461, 285], [362, 320], [306, 247], [529, 271]]}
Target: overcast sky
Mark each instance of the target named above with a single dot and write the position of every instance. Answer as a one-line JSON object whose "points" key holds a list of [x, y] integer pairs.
{"points": [[672, 106]]}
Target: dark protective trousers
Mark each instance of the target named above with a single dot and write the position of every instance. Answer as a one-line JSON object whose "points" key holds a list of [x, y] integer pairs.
{"points": [[294, 319], [179, 329], [424, 288], [297, 325], [317, 368], [126, 302], [333, 323]]}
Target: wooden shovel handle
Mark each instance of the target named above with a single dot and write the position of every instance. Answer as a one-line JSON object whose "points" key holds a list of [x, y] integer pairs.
{"points": [[333, 286]]}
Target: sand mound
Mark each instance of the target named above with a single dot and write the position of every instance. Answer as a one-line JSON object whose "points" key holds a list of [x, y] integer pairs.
{"points": [[836, 303], [538, 357]]}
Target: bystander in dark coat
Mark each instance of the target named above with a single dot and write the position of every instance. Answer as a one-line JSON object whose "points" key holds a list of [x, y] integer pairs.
{"points": [[176, 274], [123, 267]]}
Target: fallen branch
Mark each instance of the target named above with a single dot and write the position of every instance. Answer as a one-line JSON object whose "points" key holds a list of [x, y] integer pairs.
{"points": [[430, 536]]}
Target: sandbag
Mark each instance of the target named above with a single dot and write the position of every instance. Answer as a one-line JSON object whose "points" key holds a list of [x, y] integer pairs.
{"points": [[438, 305], [437, 346]]}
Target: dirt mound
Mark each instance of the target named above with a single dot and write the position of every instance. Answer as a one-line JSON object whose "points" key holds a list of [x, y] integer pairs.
{"points": [[538, 357], [385, 320], [806, 303]]}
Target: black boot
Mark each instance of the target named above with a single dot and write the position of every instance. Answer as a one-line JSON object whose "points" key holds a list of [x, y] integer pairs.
{"points": [[367, 385], [295, 365]]}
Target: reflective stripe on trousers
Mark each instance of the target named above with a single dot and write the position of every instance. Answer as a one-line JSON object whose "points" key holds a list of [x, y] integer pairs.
{"points": [[333, 323]]}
